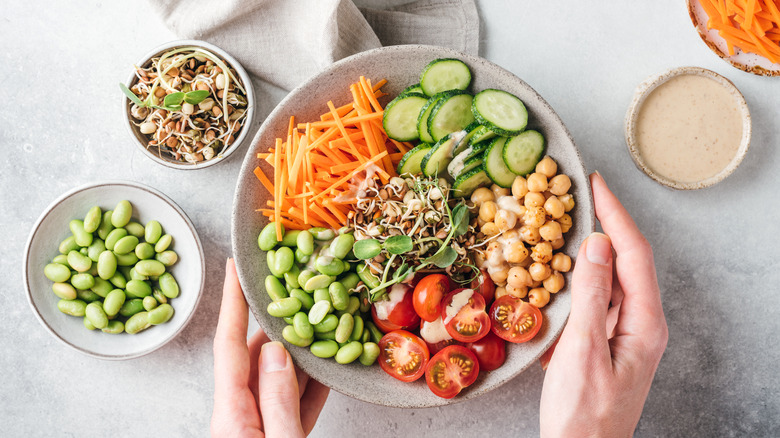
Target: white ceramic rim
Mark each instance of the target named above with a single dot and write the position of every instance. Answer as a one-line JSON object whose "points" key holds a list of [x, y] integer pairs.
{"points": [[646, 87], [250, 97], [58, 201]]}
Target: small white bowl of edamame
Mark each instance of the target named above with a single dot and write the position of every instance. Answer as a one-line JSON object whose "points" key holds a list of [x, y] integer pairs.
{"points": [[79, 314]]}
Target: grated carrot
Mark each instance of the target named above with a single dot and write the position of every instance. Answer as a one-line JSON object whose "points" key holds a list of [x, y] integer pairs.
{"points": [[750, 25]]}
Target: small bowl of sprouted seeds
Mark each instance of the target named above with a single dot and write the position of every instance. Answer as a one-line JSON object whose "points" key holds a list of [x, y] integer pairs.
{"points": [[189, 104]]}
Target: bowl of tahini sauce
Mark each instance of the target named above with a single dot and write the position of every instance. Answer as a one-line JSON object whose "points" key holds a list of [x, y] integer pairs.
{"points": [[688, 128]]}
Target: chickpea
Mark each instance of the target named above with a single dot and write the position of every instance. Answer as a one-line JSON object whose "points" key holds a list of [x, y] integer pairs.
{"points": [[530, 234], [500, 292], [565, 222], [499, 191], [538, 297], [515, 252], [482, 195], [490, 229], [539, 271], [519, 187], [547, 167], [537, 182], [480, 222], [533, 199], [517, 292], [505, 220], [558, 243], [561, 262], [487, 211], [568, 202], [510, 235], [526, 262], [536, 283], [479, 259], [494, 253], [554, 207], [560, 184], [554, 282], [542, 252], [518, 277], [550, 231], [500, 274], [535, 217]]}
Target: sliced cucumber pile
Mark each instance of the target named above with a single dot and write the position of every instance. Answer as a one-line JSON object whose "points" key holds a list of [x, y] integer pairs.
{"points": [[411, 161], [400, 114], [445, 74], [435, 162]]}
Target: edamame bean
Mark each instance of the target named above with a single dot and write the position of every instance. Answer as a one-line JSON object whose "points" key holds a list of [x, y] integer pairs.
{"points": [[365, 303], [122, 213], [97, 248], [342, 245], [290, 238], [56, 272], [288, 319], [102, 287], [270, 261], [114, 236], [160, 314], [322, 234], [366, 337], [284, 307], [83, 251], [330, 336], [149, 303], [134, 275], [318, 312], [274, 288], [118, 280], [302, 326], [318, 282], [105, 225], [72, 307], [354, 305], [306, 300], [369, 354], [338, 296], [289, 335], [266, 240], [135, 229], [301, 258], [130, 307], [125, 245], [144, 251], [321, 295], [329, 265], [87, 295], [125, 270], [357, 329], [114, 327], [376, 335], [305, 242], [115, 302], [138, 289], [64, 290], [304, 276], [94, 312], [324, 348], [167, 257], [163, 243], [82, 237], [283, 261], [329, 323], [152, 232], [126, 259], [79, 262], [349, 352], [350, 281], [62, 259], [369, 279], [168, 285], [137, 322], [82, 281], [291, 277], [159, 296], [68, 245], [344, 329], [149, 267], [92, 219], [87, 324]]}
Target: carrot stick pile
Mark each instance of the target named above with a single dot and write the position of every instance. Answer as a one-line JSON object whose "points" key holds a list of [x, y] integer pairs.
{"points": [[751, 25], [315, 164]]}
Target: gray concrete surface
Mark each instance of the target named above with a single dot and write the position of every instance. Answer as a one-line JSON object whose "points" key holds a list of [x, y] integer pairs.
{"points": [[716, 249]]}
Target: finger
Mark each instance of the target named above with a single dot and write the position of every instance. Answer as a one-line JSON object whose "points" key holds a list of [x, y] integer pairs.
{"points": [[231, 356], [279, 400], [255, 343], [312, 402], [303, 381], [592, 288]]}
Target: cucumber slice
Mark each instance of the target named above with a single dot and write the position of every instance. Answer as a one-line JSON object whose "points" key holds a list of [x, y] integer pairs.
{"points": [[465, 184], [473, 129], [494, 164], [445, 74], [410, 162], [501, 112], [440, 155], [482, 133], [455, 168], [522, 152], [450, 114], [400, 117], [416, 88], [472, 162], [422, 119]]}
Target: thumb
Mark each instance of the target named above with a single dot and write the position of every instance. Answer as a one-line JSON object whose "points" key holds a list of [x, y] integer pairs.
{"points": [[278, 393]]}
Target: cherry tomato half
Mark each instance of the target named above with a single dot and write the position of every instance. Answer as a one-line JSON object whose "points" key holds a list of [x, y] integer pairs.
{"points": [[490, 351], [450, 370], [403, 355], [515, 320], [484, 285], [428, 295], [399, 316], [465, 319]]}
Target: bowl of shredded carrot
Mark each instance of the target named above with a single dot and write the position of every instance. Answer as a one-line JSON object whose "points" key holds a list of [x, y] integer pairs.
{"points": [[744, 33]]}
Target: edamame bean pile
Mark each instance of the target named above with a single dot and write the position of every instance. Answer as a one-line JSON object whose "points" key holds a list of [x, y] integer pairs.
{"points": [[313, 287], [112, 272]]}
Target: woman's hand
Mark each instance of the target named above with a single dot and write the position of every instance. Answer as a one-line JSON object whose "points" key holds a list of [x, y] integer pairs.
{"points": [[257, 389], [601, 370]]}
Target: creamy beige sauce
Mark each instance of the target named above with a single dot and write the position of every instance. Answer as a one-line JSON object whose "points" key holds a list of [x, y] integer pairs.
{"points": [[689, 128]]}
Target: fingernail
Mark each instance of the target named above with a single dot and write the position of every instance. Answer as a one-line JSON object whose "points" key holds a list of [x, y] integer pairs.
{"points": [[274, 357], [598, 249]]}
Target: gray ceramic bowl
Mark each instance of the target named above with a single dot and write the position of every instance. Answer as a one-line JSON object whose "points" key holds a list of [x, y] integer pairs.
{"points": [[141, 140], [401, 66], [148, 204]]}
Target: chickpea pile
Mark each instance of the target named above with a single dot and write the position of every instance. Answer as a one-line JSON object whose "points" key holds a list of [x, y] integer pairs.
{"points": [[525, 226]]}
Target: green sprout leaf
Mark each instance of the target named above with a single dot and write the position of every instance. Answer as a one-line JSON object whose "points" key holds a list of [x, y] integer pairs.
{"points": [[196, 97], [443, 258], [367, 249], [398, 244], [130, 95], [173, 99], [460, 220]]}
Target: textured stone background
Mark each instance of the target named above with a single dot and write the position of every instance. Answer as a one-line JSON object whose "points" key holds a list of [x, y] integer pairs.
{"points": [[716, 249]]}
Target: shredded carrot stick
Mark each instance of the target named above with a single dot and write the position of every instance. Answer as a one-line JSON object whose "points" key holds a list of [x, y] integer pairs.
{"points": [[264, 180], [749, 25]]}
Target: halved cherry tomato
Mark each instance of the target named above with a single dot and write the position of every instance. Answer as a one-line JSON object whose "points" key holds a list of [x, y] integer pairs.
{"points": [[403, 355], [465, 320], [439, 346], [450, 370], [401, 316], [484, 285], [515, 320], [428, 295], [490, 351]]}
